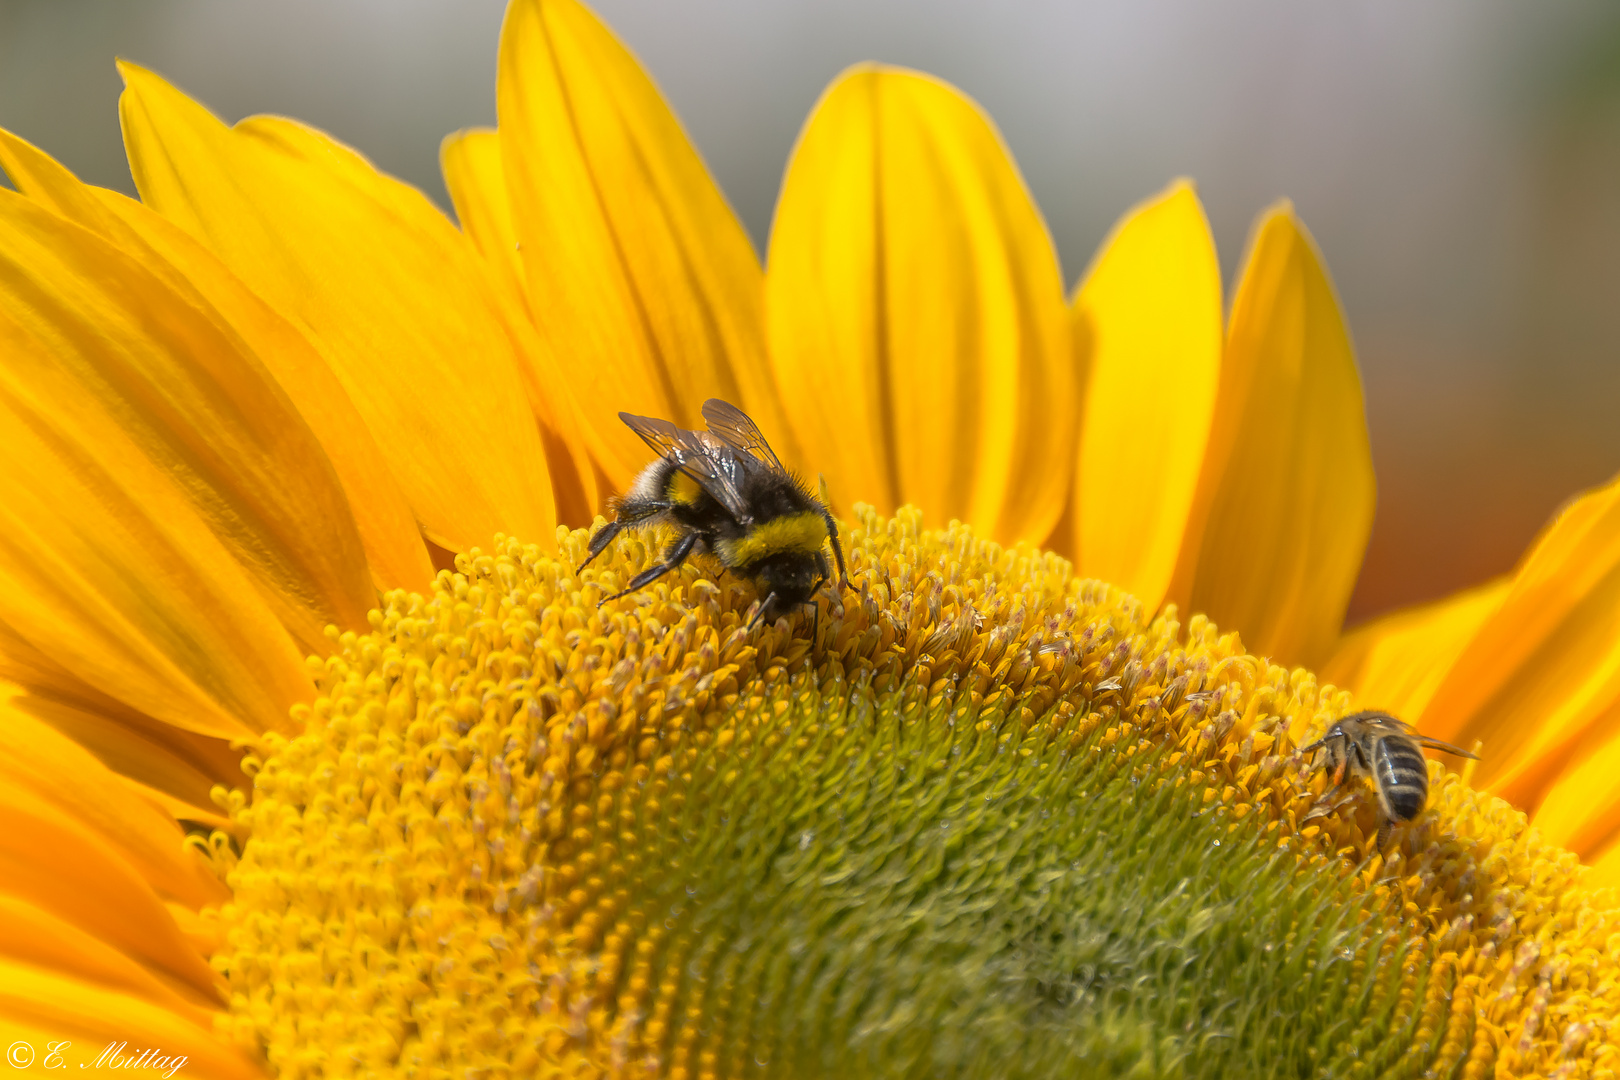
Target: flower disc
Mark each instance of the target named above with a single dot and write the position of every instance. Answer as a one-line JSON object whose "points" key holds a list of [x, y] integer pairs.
{"points": [[994, 821]]}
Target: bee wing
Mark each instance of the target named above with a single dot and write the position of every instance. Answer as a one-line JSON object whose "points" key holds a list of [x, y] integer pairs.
{"points": [[1436, 744], [711, 463], [733, 427]]}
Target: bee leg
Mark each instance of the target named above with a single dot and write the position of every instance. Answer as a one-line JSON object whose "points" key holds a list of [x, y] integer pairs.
{"points": [[1384, 827], [838, 549], [815, 621], [1338, 774], [768, 604], [672, 559], [599, 542], [628, 513]]}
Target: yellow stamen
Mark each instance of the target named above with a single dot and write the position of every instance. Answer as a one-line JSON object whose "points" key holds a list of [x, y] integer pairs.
{"points": [[523, 834]]}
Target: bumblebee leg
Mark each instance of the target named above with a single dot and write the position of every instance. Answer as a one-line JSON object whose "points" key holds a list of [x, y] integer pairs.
{"points": [[599, 542], [629, 514], [815, 621], [838, 549], [672, 559], [768, 604]]}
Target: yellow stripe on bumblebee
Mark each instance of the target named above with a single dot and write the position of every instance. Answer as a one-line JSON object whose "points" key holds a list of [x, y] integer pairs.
{"points": [[728, 495], [797, 533]]}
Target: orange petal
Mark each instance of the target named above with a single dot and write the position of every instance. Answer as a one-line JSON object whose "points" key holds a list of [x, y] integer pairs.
{"points": [[393, 296], [392, 544], [1150, 311], [35, 757], [1396, 663], [1543, 672], [176, 768], [32, 935], [114, 349], [649, 287], [1285, 499], [1604, 872], [916, 312], [54, 861], [475, 175], [25, 667], [1580, 808], [114, 947], [107, 568], [40, 1006]]}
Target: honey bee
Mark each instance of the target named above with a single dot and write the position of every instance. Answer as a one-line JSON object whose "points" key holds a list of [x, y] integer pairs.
{"points": [[1389, 753]]}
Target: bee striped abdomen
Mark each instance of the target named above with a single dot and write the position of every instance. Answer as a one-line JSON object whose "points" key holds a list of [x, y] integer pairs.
{"points": [[1402, 777]]}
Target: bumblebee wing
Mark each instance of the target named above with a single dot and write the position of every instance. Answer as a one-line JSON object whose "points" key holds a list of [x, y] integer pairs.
{"points": [[711, 463], [1436, 744], [733, 427], [664, 437]]}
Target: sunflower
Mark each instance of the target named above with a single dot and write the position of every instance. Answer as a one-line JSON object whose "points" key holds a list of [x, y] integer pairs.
{"points": [[322, 758]]}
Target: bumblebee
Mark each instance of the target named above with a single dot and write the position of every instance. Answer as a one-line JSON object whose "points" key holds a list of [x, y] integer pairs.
{"points": [[729, 497], [1389, 753]]}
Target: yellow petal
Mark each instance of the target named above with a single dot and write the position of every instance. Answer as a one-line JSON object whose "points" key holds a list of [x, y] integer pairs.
{"points": [[1580, 808], [114, 349], [37, 758], [33, 935], [1150, 313], [1542, 674], [1604, 864], [175, 768], [1396, 663], [1285, 498], [476, 179], [916, 312], [107, 568], [38, 1005], [184, 811], [201, 928], [642, 280], [54, 861], [26, 668], [393, 296], [475, 175], [392, 544]]}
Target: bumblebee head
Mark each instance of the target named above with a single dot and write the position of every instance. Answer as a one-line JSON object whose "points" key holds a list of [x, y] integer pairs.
{"points": [[788, 581]]}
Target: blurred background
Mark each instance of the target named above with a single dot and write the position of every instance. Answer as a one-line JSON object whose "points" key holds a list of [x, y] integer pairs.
{"points": [[1457, 160]]}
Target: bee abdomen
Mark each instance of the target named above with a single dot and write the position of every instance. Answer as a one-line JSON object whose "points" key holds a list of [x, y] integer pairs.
{"points": [[1403, 778]]}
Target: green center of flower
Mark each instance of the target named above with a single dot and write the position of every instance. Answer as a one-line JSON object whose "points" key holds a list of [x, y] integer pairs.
{"points": [[994, 823]]}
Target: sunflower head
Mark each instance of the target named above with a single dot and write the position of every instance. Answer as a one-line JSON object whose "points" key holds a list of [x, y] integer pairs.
{"points": [[308, 780], [993, 819]]}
